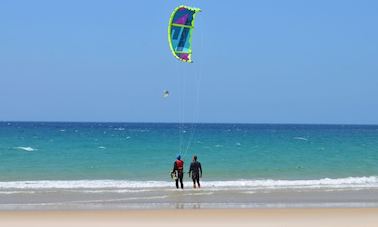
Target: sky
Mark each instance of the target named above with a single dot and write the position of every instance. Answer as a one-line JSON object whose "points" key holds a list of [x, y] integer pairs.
{"points": [[254, 62]]}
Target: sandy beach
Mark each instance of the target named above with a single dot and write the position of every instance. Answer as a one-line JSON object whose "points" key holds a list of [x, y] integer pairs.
{"points": [[201, 217]]}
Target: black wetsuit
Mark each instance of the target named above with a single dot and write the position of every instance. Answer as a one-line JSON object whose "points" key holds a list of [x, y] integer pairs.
{"points": [[179, 174], [196, 171]]}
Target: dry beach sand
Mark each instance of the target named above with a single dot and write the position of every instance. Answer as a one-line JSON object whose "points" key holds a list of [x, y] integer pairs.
{"points": [[195, 217]]}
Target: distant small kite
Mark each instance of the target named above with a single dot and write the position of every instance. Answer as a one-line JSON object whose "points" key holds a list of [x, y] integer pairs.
{"points": [[180, 29], [165, 94]]}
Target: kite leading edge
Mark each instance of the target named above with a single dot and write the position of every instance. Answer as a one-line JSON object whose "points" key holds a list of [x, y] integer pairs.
{"points": [[180, 29]]}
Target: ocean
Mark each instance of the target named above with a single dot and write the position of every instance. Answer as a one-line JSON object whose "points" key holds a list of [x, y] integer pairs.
{"points": [[95, 165]]}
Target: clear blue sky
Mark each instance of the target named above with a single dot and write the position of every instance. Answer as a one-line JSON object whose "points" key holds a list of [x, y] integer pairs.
{"points": [[260, 61]]}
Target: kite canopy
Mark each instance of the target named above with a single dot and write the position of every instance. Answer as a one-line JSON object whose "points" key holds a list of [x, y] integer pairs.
{"points": [[165, 93], [180, 29]]}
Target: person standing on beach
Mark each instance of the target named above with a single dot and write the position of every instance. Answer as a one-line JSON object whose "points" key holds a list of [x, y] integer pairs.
{"points": [[178, 170], [196, 171]]}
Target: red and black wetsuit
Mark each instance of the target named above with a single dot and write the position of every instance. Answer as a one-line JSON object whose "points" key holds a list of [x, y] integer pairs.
{"points": [[178, 166]]}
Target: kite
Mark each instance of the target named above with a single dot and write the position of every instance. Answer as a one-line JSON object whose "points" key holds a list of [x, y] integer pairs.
{"points": [[165, 93], [180, 29]]}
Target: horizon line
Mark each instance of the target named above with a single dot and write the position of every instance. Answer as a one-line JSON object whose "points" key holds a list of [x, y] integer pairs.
{"points": [[167, 122]]}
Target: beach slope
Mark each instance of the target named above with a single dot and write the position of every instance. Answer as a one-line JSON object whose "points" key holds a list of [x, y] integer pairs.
{"points": [[196, 217]]}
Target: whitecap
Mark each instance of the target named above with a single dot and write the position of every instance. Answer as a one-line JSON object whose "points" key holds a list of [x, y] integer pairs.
{"points": [[138, 130], [26, 148], [101, 147], [300, 138]]}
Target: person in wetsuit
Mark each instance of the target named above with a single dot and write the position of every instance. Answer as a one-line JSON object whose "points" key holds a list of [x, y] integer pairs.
{"points": [[178, 169], [196, 171]]}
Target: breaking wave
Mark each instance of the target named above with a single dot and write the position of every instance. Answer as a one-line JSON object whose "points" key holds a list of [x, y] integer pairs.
{"points": [[325, 183]]}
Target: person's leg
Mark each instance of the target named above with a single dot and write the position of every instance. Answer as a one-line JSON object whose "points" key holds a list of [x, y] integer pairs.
{"points": [[177, 186], [194, 182], [182, 183], [198, 183]]}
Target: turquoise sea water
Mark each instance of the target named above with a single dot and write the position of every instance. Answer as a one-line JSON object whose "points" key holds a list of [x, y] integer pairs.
{"points": [[127, 165], [32, 151]]}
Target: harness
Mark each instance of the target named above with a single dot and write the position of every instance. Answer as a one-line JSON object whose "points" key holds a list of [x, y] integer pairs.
{"points": [[180, 165]]}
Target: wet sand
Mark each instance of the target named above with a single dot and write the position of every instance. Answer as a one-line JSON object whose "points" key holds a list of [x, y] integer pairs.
{"points": [[59, 199], [195, 217]]}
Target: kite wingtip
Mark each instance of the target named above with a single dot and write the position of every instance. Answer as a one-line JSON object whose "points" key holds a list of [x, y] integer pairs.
{"points": [[189, 8]]}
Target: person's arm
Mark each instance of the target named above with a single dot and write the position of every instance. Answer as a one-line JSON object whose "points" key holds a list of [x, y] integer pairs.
{"points": [[174, 167], [190, 169], [200, 167]]}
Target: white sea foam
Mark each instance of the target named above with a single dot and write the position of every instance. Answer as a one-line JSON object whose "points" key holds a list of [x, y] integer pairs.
{"points": [[325, 183], [300, 138], [26, 148], [199, 193], [16, 192], [94, 191]]}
